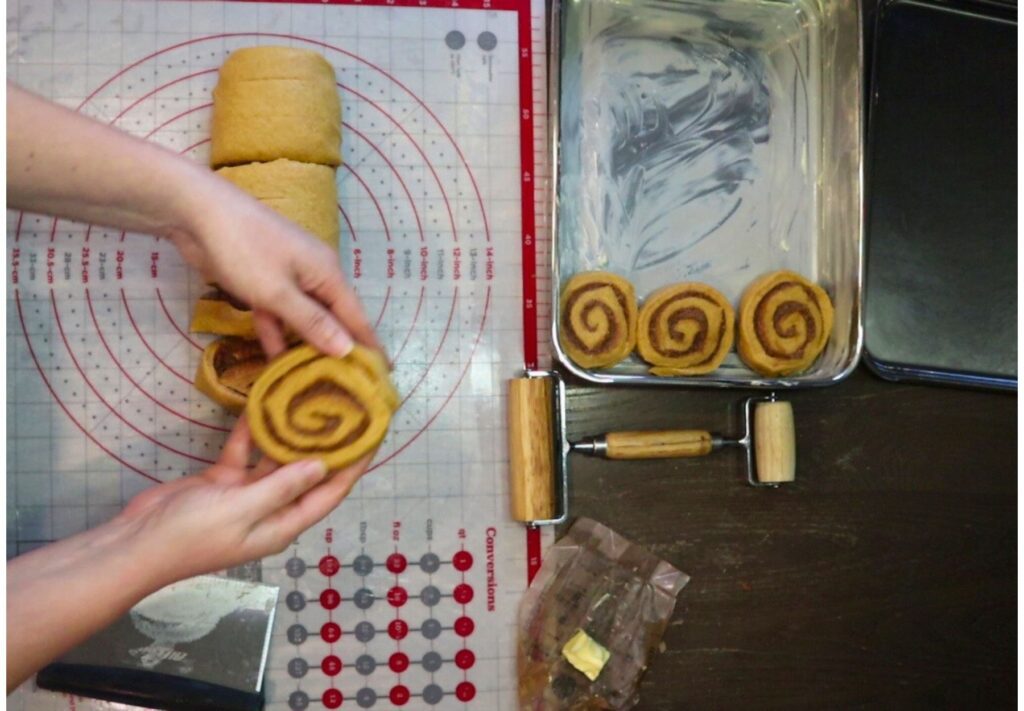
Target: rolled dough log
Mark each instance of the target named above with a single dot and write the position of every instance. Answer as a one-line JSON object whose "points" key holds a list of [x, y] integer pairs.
{"points": [[275, 102], [304, 193]]}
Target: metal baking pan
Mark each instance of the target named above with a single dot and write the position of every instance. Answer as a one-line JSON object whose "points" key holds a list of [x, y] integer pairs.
{"points": [[941, 285], [712, 141]]}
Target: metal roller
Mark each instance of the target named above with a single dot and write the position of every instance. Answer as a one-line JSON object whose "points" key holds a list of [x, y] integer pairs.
{"points": [[539, 448]]}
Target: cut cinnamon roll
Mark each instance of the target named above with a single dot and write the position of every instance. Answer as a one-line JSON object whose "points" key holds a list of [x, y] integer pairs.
{"points": [[685, 329], [228, 369], [597, 319], [306, 404], [784, 323]]}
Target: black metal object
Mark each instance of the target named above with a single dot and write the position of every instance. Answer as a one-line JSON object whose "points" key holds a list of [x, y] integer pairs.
{"points": [[146, 689], [941, 288]]}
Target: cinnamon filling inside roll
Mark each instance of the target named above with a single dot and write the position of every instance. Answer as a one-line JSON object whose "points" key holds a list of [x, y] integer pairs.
{"points": [[307, 403], [598, 319], [785, 324], [228, 369], [685, 329]]}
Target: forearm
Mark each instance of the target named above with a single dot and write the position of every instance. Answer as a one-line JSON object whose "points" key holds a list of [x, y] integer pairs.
{"points": [[59, 595], [65, 164]]}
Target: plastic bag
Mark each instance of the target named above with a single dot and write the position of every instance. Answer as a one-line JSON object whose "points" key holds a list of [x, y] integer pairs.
{"points": [[618, 594]]}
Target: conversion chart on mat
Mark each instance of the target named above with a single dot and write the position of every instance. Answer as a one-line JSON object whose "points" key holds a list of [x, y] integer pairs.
{"points": [[406, 595]]}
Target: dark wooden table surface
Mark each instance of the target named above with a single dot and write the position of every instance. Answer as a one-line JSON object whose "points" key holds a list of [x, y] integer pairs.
{"points": [[885, 576]]}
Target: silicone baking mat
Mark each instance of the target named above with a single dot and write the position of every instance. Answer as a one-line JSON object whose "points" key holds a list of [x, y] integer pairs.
{"points": [[406, 595]]}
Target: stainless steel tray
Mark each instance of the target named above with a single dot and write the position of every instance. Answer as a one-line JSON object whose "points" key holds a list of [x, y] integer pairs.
{"points": [[713, 141]]}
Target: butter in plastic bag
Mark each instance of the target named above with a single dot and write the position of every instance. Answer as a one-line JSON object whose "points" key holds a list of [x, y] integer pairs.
{"points": [[591, 620]]}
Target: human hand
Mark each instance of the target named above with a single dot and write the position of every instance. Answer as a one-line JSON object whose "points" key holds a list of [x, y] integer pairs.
{"points": [[287, 276], [228, 515]]}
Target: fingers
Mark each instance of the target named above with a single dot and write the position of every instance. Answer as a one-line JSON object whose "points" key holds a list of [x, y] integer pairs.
{"points": [[282, 486], [238, 446], [314, 323], [343, 303], [269, 332], [285, 525], [263, 467]]}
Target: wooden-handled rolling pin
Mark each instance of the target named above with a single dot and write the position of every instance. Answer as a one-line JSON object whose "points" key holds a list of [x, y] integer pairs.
{"points": [[774, 442], [535, 459]]}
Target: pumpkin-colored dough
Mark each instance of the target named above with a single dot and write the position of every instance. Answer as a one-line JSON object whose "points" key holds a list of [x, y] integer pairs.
{"points": [[219, 314], [304, 193], [597, 319], [228, 369], [307, 404], [784, 323], [275, 102], [685, 329]]}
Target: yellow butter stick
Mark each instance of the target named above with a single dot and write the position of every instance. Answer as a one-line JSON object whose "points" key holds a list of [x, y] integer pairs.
{"points": [[585, 654]]}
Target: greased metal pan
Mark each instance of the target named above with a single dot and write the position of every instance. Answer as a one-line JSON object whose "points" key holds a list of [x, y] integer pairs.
{"points": [[713, 141]]}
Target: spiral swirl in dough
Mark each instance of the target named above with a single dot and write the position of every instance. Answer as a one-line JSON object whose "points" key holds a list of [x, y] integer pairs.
{"points": [[597, 319], [784, 323], [685, 329], [306, 404]]}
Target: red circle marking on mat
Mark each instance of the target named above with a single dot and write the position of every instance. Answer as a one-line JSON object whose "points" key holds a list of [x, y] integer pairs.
{"points": [[96, 392], [401, 181], [463, 561], [397, 596], [455, 388], [396, 563], [331, 665], [399, 695], [138, 386], [398, 662], [428, 111], [426, 161], [135, 327], [464, 659], [330, 599], [60, 403], [332, 698], [463, 594], [167, 313], [329, 565], [348, 223], [398, 629], [464, 626], [330, 632], [465, 691]]}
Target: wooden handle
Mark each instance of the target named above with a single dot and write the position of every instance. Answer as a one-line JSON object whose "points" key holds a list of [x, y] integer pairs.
{"points": [[666, 444], [531, 449], [774, 443]]}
